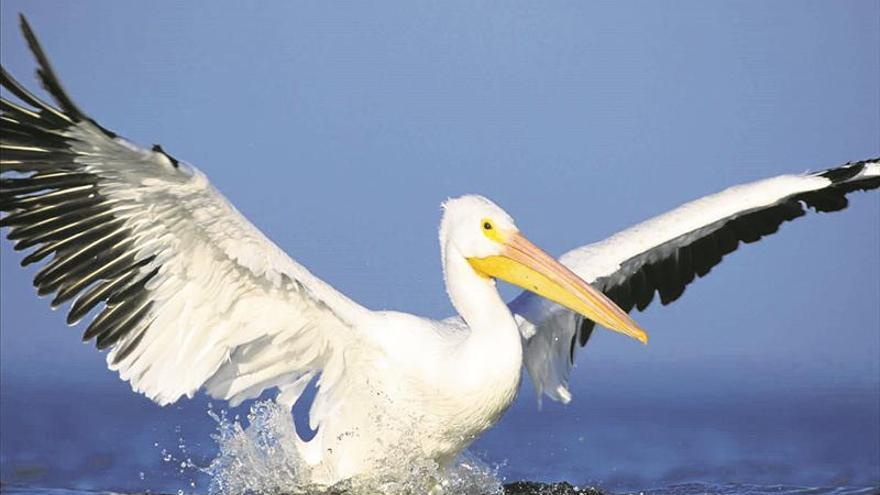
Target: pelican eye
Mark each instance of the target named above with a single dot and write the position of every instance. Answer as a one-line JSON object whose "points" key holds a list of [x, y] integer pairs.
{"points": [[490, 231]]}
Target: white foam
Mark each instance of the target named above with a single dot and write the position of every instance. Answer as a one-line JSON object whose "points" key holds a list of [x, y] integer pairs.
{"points": [[261, 458]]}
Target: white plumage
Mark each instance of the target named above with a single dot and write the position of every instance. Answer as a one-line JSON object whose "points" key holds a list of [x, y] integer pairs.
{"points": [[189, 295]]}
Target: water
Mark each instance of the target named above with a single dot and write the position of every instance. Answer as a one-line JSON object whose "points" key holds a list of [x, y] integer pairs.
{"points": [[103, 438]]}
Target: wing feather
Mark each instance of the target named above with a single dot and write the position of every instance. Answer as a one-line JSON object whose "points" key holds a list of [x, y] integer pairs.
{"points": [[666, 253], [185, 291]]}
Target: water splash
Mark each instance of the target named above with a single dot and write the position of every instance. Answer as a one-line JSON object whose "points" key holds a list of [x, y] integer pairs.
{"points": [[179, 462], [261, 457]]}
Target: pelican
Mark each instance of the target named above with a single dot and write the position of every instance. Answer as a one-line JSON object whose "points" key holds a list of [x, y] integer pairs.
{"points": [[187, 295]]}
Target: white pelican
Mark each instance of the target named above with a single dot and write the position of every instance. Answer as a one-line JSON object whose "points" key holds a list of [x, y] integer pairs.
{"points": [[188, 295]]}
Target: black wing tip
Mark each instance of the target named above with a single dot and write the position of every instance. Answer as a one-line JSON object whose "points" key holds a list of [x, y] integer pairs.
{"points": [[844, 180], [25, 26], [69, 111], [46, 74], [847, 171]]}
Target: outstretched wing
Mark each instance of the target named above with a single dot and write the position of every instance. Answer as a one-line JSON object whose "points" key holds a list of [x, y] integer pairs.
{"points": [[666, 253], [186, 292]]}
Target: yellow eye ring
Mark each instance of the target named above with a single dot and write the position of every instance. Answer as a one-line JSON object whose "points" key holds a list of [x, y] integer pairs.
{"points": [[490, 231]]}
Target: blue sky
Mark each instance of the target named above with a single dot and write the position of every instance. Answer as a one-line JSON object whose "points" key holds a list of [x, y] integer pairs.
{"points": [[338, 130]]}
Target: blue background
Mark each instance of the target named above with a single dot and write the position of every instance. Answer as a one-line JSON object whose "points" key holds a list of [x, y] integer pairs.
{"points": [[339, 129]]}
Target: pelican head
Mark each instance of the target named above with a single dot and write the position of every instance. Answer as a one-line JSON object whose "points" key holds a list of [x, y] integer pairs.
{"points": [[487, 237]]}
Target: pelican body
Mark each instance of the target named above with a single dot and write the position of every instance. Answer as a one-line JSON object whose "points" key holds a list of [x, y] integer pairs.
{"points": [[185, 294], [429, 388]]}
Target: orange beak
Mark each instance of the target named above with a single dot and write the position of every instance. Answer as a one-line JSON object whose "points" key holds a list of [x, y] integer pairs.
{"points": [[526, 265]]}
